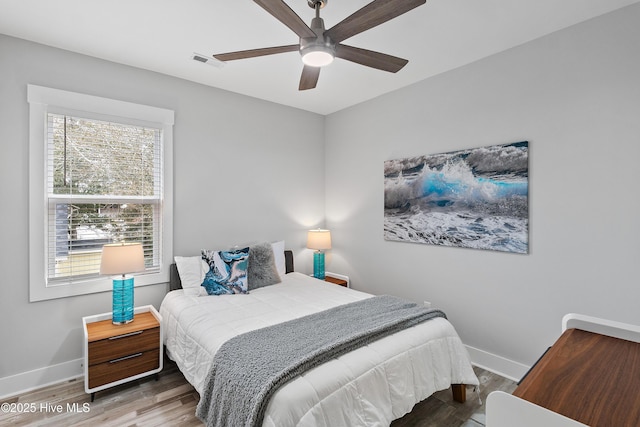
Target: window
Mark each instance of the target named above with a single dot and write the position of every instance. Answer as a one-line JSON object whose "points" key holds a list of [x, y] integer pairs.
{"points": [[100, 173]]}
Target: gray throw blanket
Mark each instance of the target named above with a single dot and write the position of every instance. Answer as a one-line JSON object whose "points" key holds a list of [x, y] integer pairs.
{"points": [[249, 368]]}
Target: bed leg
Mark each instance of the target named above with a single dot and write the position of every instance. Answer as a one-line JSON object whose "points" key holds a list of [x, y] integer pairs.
{"points": [[459, 392]]}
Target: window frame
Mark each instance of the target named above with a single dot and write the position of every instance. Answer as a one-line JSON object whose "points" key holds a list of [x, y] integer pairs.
{"points": [[43, 100]]}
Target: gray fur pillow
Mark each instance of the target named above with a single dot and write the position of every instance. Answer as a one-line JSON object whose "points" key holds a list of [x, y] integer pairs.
{"points": [[262, 269]]}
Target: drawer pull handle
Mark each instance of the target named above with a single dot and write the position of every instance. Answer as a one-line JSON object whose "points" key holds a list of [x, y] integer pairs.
{"points": [[125, 358], [117, 337]]}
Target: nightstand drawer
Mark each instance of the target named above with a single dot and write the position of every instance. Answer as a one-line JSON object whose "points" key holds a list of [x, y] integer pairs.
{"points": [[124, 367], [120, 345], [336, 281]]}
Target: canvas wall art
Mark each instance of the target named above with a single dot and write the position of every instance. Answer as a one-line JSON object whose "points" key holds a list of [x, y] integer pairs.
{"points": [[476, 198]]}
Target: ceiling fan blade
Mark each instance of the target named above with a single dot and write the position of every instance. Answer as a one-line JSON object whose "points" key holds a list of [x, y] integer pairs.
{"points": [[369, 58], [252, 53], [309, 77], [287, 16], [371, 15]]}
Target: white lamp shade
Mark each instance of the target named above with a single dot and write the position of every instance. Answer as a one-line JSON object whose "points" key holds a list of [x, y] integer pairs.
{"points": [[319, 239], [122, 258]]}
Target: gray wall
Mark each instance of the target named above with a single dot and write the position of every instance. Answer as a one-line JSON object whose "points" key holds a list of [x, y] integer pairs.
{"points": [[575, 96], [244, 171], [247, 170]]}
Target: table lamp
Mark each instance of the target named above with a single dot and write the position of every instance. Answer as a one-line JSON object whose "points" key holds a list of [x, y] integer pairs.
{"points": [[320, 240], [121, 259]]}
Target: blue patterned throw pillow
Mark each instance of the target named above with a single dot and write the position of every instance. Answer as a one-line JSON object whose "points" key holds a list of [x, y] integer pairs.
{"points": [[227, 271]]}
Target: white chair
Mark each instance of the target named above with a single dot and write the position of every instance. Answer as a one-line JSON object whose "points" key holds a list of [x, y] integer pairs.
{"points": [[506, 410]]}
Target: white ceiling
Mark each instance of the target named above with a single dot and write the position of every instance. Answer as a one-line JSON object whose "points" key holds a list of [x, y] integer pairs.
{"points": [[161, 35]]}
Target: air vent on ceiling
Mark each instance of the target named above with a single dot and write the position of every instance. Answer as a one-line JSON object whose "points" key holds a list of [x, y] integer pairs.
{"points": [[209, 60]]}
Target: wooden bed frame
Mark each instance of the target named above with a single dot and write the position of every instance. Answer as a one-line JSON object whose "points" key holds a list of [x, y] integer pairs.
{"points": [[459, 390]]}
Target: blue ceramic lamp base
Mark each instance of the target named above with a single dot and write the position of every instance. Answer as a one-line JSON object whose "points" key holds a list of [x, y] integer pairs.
{"points": [[122, 300], [318, 265]]}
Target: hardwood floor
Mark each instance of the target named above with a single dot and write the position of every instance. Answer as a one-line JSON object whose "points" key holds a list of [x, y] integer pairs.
{"points": [[171, 401], [440, 410]]}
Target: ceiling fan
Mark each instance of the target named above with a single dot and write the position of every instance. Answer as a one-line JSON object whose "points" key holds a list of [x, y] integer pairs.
{"points": [[319, 47]]}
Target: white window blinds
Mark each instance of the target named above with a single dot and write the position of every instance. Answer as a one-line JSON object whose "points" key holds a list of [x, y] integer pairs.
{"points": [[104, 184], [100, 171]]}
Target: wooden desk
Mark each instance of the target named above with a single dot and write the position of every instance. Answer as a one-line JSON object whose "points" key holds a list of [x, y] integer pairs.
{"points": [[589, 377]]}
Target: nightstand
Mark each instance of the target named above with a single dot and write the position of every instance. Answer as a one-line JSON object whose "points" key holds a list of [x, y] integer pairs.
{"points": [[336, 281], [116, 354]]}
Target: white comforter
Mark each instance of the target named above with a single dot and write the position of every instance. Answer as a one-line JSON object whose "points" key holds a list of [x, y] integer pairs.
{"points": [[370, 386]]}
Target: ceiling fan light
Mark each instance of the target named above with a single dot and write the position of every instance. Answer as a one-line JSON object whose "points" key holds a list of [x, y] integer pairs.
{"points": [[317, 56]]}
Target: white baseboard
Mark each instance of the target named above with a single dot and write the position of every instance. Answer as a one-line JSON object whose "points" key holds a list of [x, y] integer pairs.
{"points": [[497, 364], [31, 380], [42, 377]]}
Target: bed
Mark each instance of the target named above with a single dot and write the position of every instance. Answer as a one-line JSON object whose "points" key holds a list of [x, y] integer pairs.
{"points": [[371, 385]]}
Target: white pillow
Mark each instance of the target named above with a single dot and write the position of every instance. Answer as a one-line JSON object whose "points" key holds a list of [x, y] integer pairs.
{"points": [[200, 291], [192, 270], [278, 254]]}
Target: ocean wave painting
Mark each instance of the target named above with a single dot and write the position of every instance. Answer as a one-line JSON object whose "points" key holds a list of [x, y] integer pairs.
{"points": [[477, 198]]}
